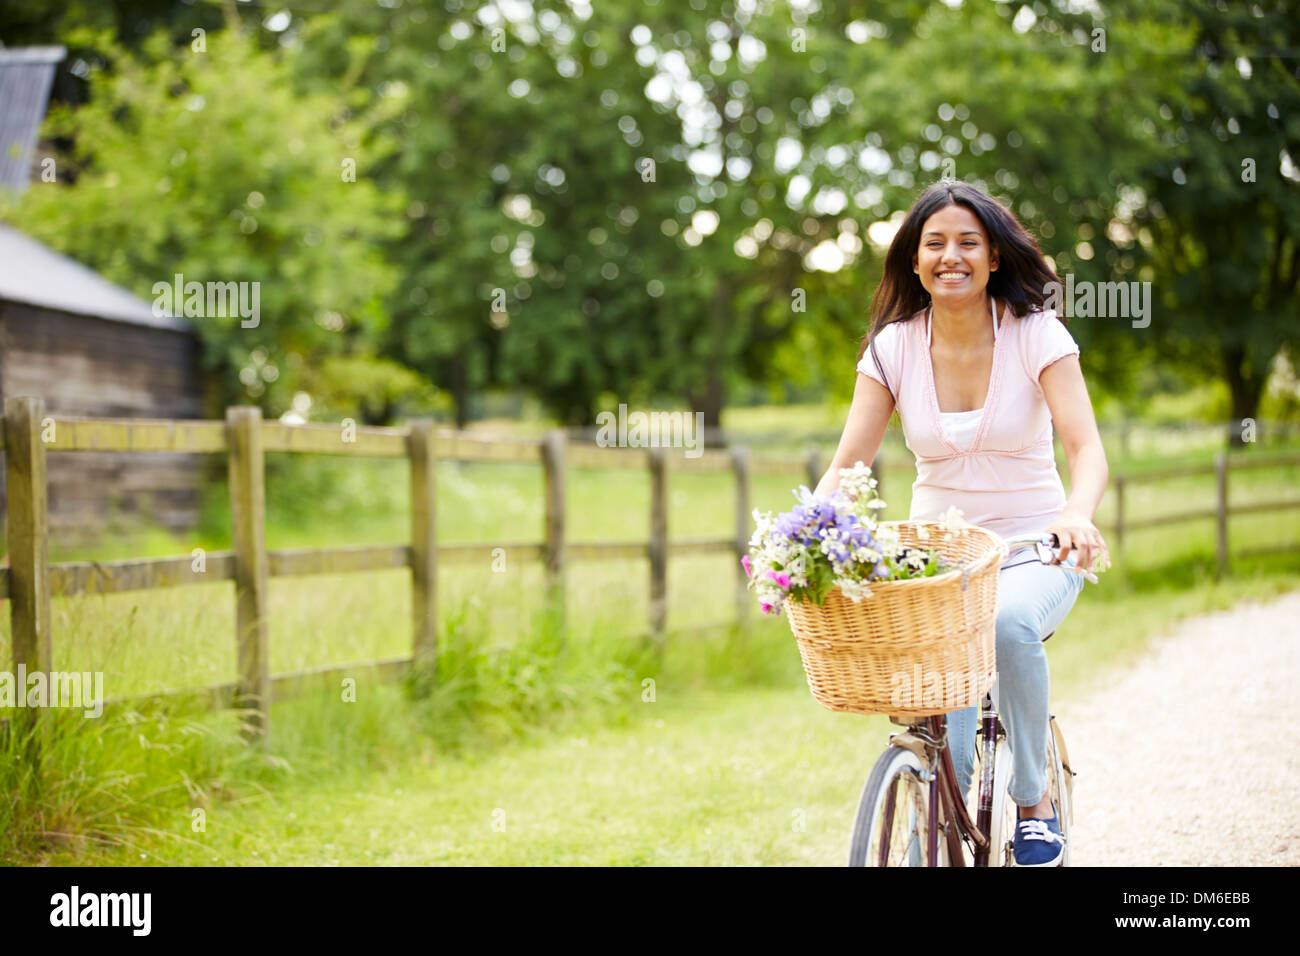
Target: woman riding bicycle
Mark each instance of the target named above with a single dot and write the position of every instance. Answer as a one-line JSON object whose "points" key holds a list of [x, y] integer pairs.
{"points": [[960, 344]]}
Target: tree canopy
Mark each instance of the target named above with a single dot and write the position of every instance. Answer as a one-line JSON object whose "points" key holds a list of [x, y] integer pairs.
{"points": [[644, 202]]}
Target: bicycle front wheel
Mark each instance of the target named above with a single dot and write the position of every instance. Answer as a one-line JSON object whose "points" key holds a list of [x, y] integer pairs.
{"points": [[892, 823]]}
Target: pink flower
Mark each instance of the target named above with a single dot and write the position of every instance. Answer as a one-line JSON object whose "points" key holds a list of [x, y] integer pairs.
{"points": [[782, 580], [767, 608], [744, 563]]}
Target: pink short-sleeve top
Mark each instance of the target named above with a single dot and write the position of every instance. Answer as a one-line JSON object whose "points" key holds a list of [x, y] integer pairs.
{"points": [[1006, 479]]}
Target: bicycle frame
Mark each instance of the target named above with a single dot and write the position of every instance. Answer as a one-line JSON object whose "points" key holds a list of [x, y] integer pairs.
{"points": [[929, 736], [991, 733]]}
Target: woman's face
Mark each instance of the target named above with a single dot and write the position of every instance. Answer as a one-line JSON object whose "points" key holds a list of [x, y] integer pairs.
{"points": [[953, 260]]}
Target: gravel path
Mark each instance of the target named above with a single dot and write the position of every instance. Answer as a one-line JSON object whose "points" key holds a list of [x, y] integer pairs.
{"points": [[1189, 758]]}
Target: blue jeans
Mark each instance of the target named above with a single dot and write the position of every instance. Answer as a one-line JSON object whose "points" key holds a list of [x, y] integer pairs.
{"points": [[1033, 600]]}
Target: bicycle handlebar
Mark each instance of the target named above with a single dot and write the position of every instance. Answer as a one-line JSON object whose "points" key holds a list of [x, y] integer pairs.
{"points": [[1022, 540], [1048, 548]]}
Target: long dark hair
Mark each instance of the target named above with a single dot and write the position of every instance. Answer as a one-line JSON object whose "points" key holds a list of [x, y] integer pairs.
{"points": [[1021, 277]]}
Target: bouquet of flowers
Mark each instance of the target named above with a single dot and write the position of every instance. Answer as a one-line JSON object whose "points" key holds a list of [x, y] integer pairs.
{"points": [[831, 541]]}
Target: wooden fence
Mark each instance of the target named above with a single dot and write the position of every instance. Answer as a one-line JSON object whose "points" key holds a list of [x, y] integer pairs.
{"points": [[27, 435]]}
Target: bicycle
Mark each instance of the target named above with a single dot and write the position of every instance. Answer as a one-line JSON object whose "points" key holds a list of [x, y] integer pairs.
{"points": [[912, 796]]}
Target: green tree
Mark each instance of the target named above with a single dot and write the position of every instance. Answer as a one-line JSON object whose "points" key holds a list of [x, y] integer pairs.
{"points": [[209, 164], [1219, 219], [531, 244]]}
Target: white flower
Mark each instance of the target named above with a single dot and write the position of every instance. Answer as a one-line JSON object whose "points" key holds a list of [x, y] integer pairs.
{"points": [[953, 521], [856, 483], [855, 591]]}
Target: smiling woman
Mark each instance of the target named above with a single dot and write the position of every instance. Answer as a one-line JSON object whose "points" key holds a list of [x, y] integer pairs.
{"points": [[980, 371]]}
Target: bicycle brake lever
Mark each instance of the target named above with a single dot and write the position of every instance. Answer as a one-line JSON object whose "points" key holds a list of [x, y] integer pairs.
{"points": [[1074, 569]]}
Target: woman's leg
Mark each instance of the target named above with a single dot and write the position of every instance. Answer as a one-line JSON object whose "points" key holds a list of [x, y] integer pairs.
{"points": [[961, 743], [1033, 600]]}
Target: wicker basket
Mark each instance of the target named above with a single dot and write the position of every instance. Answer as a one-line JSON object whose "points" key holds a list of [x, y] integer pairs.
{"points": [[915, 647]]}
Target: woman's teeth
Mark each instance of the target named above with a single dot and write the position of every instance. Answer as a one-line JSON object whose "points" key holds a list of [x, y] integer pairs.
{"points": [[952, 276]]}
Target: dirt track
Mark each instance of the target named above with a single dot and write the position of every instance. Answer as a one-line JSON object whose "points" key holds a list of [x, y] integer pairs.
{"points": [[1190, 757]]}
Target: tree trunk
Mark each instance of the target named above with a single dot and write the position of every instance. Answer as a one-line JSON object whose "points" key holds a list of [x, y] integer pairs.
{"points": [[577, 413], [711, 395], [1246, 385], [709, 399], [459, 393]]}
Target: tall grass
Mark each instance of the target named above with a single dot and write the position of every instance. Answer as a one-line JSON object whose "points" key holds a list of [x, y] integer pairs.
{"points": [[136, 776]]}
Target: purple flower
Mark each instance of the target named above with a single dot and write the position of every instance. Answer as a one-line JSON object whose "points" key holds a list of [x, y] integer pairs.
{"points": [[767, 608], [744, 563], [783, 580]]}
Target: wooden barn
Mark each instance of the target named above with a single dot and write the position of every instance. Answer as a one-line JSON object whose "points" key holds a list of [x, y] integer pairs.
{"points": [[88, 347]]}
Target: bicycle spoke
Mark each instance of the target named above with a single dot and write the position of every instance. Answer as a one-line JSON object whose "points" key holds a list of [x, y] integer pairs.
{"points": [[892, 824], [887, 826], [901, 841]]}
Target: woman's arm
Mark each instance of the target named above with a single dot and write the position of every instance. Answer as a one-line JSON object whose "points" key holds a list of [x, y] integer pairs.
{"points": [[1067, 399], [863, 431]]}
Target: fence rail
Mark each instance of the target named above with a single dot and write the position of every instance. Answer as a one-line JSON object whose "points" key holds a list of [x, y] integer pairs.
{"points": [[27, 434]]}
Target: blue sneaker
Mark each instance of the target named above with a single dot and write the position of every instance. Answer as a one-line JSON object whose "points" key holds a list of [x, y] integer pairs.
{"points": [[1038, 842]]}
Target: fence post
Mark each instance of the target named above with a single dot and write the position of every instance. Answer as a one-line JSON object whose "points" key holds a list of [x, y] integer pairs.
{"points": [[658, 540], [740, 465], [1221, 509], [813, 465], [553, 464], [29, 559], [248, 521], [422, 452]]}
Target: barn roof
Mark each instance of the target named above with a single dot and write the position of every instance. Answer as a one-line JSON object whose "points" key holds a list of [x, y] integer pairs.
{"points": [[25, 77], [37, 275]]}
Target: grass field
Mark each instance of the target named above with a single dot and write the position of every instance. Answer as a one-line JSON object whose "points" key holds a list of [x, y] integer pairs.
{"points": [[515, 696], [711, 772]]}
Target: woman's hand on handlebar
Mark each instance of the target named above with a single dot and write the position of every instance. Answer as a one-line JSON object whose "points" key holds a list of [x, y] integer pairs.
{"points": [[1077, 533]]}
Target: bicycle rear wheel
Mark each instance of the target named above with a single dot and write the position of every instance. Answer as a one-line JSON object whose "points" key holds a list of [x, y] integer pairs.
{"points": [[1005, 812], [1062, 790], [1002, 839], [892, 823]]}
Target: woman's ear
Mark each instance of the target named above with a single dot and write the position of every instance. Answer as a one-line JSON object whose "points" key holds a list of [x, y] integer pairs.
{"points": [[993, 260]]}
